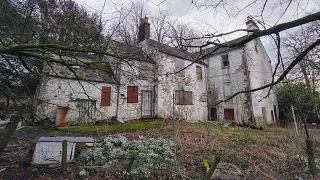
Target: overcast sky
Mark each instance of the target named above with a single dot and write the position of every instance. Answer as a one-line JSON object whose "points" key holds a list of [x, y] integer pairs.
{"points": [[209, 20]]}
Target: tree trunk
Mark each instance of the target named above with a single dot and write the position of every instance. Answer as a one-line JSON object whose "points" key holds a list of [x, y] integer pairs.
{"points": [[5, 135], [310, 151]]}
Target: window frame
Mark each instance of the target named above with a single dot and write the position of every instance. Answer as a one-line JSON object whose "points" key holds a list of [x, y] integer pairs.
{"points": [[223, 60], [225, 92], [199, 73]]}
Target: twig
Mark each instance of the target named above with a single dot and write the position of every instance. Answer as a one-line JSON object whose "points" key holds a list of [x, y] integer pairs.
{"points": [[265, 174], [2, 169]]}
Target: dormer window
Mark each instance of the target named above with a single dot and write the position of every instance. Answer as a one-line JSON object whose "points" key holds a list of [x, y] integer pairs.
{"points": [[225, 61]]}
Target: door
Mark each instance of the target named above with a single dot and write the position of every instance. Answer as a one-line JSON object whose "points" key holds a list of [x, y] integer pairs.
{"points": [[213, 113], [147, 104]]}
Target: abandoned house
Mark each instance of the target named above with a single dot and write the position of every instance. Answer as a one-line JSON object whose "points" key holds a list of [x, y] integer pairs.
{"points": [[157, 80]]}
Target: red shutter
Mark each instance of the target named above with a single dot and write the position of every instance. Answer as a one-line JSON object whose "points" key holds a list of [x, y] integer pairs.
{"points": [[105, 96], [132, 94]]}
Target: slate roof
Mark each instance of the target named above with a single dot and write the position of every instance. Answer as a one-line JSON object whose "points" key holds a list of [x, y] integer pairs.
{"points": [[192, 56], [213, 50], [173, 51], [131, 52]]}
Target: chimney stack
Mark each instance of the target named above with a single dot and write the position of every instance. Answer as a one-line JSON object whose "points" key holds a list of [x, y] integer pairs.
{"points": [[144, 30], [251, 24]]}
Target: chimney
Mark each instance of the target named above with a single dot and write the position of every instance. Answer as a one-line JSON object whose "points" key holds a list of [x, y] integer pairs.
{"points": [[251, 24], [144, 30]]}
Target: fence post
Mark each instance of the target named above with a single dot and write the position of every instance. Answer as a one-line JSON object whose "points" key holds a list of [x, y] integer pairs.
{"points": [[64, 155]]}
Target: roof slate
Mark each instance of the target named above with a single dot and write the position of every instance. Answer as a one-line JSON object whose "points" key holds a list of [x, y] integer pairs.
{"points": [[215, 50], [173, 51], [131, 52], [192, 56]]}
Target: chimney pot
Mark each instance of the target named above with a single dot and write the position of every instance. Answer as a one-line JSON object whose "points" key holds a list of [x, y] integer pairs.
{"points": [[251, 24]]}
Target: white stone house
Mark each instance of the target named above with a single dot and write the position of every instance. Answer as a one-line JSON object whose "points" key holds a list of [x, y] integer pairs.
{"points": [[156, 80]]}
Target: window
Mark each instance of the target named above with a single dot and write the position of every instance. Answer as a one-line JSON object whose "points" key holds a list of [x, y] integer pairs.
{"points": [[229, 114], [179, 64], [225, 61], [132, 94], [227, 88], [199, 73], [105, 96], [183, 97], [272, 116], [203, 97]]}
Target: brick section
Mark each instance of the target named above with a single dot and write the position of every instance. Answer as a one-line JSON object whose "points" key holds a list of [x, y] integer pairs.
{"points": [[144, 30]]}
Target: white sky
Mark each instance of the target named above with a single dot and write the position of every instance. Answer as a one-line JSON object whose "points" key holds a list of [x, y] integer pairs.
{"points": [[207, 20]]}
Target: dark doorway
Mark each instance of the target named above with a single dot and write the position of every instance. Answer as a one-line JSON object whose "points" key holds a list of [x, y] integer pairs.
{"points": [[213, 114]]}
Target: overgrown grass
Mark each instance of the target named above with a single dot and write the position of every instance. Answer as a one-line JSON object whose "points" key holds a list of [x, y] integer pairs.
{"points": [[243, 148], [113, 128]]}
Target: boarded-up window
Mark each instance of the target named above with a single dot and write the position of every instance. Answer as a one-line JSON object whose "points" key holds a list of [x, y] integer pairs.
{"points": [[132, 94], [229, 114], [199, 73], [225, 61], [227, 88], [183, 97], [105, 96], [179, 65]]}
